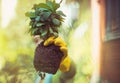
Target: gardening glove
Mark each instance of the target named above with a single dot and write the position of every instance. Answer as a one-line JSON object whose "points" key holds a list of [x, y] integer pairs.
{"points": [[65, 62]]}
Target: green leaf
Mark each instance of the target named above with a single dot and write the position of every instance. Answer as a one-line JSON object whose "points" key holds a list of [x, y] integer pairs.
{"points": [[56, 21], [34, 24], [31, 23], [56, 5], [37, 18], [53, 5], [37, 11], [44, 32], [50, 30], [39, 24], [33, 31], [61, 13], [55, 34], [30, 14], [55, 29], [42, 5], [45, 15], [50, 4], [42, 9]]}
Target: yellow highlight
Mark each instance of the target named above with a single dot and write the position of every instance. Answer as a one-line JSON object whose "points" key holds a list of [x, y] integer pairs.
{"points": [[49, 41], [59, 42], [64, 50], [65, 64]]}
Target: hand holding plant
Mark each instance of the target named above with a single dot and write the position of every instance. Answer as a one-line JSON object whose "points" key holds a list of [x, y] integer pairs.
{"points": [[51, 54]]}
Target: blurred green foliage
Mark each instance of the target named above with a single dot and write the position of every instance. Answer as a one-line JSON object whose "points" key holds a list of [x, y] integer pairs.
{"points": [[79, 46], [17, 47]]}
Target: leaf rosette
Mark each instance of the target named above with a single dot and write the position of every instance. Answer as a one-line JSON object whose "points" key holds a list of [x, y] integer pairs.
{"points": [[45, 19]]}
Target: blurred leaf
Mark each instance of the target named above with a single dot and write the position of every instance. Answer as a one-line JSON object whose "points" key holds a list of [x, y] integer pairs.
{"points": [[44, 32], [37, 12], [31, 23], [41, 5], [33, 31], [61, 13], [37, 18], [50, 4], [34, 24], [55, 5], [39, 24], [30, 14], [56, 21], [42, 9], [55, 34], [51, 31], [55, 29], [46, 15]]}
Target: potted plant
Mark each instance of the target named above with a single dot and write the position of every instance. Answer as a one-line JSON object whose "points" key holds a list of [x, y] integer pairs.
{"points": [[45, 20]]}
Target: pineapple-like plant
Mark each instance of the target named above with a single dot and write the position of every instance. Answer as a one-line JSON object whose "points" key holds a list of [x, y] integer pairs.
{"points": [[45, 19]]}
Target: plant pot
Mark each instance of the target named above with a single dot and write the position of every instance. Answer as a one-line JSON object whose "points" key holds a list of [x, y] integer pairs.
{"points": [[47, 58]]}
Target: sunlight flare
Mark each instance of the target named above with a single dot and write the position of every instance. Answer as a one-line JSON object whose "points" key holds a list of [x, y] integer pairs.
{"points": [[8, 11]]}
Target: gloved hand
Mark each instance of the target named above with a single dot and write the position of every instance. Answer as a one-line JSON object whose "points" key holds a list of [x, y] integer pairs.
{"points": [[65, 62]]}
